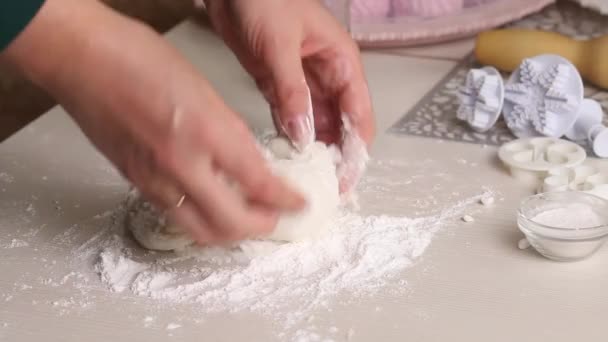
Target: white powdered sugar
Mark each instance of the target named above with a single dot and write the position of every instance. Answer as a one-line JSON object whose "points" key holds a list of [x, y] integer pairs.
{"points": [[359, 256], [575, 215], [16, 243], [124, 270]]}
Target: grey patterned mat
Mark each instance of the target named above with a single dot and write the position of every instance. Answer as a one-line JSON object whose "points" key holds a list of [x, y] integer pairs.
{"points": [[435, 115]]}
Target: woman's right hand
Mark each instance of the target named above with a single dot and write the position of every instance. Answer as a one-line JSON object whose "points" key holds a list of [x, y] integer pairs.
{"points": [[154, 116]]}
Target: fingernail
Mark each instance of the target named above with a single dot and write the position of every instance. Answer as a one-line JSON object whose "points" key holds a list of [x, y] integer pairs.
{"points": [[300, 131]]}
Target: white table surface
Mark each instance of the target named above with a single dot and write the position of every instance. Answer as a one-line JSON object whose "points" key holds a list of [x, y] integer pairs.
{"points": [[472, 284]]}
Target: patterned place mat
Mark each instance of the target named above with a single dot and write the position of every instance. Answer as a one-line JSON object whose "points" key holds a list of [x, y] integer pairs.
{"points": [[435, 115]]}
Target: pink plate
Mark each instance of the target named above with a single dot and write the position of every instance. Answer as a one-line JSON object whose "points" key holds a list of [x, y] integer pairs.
{"points": [[406, 29]]}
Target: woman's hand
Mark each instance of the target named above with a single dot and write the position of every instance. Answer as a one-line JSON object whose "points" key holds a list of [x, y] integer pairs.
{"points": [[154, 116], [295, 49]]}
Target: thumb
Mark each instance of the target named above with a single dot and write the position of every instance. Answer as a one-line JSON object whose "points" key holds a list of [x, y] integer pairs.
{"points": [[292, 110]]}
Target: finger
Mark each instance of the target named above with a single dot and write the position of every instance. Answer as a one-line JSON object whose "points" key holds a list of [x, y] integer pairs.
{"points": [[242, 162], [354, 158], [163, 194], [345, 74], [226, 27], [355, 103], [187, 216], [358, 127], [155, 185], [332, 73], [220, 134], [225, 209], [293, 108], [166, 196], [328, 122], [339, 74]]}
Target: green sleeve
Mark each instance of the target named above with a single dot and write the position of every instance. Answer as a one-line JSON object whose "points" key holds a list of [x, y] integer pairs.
{"points": [[14, 17]]}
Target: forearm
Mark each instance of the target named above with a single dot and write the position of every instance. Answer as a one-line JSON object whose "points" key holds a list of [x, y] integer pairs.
{"points": [[59, 36]]}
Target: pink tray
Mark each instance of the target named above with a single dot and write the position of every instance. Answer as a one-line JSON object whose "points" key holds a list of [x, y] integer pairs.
{"points": [[392, 31]]}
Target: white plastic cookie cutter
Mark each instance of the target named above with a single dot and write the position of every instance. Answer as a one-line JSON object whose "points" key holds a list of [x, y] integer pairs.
{"points": [[589, 127], [585, 178], [543, 96], [530, 159], [481, 98]]}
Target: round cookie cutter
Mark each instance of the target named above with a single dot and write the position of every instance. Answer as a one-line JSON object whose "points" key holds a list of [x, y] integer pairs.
{"points": [[530, 159], [481, 98]]}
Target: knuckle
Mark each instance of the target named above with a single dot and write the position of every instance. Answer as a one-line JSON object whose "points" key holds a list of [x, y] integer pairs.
{"points": [[190, 129], [259, 184], [292, 91]]}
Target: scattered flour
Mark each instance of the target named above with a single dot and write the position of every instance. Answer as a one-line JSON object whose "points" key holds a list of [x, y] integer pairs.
{"points": [[124, 270], [5, 177], [360, 256], [148, 320], [304, 335], [173, 326], [468, 218], [488, 200], [16, 243], [350, 334]]}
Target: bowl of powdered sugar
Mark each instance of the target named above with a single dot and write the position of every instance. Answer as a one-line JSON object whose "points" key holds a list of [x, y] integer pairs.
{"points": [[564, 226]]}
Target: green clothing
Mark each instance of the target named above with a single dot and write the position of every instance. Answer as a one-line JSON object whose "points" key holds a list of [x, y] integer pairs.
{"points": [[15, 15]]}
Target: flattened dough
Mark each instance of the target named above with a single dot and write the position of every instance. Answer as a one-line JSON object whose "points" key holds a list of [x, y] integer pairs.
{"points": [[312, 173]]}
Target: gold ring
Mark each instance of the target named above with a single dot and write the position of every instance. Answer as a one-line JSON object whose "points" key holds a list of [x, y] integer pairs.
{"points": [[181, 201]]}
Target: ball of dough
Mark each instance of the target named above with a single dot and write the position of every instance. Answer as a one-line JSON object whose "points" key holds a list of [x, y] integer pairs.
{"points": [[311, 172], [151, 230]]}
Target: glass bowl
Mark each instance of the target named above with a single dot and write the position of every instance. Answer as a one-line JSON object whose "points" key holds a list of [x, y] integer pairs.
{"points": [[567, 240]]}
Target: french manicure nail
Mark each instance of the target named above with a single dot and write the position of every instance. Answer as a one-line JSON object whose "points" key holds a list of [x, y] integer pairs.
{"points": [[299, 130]]}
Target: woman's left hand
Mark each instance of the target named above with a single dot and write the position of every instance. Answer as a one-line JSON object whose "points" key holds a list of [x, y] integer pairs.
{"points": [[304, 62]]}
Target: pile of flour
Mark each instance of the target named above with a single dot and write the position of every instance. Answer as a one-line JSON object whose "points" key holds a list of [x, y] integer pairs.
{"points": [[290, 285], [358, 256]]}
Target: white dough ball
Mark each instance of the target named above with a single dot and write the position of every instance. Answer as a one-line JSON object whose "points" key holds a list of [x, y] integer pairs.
{"points": [[311, 172], [151, 230]]}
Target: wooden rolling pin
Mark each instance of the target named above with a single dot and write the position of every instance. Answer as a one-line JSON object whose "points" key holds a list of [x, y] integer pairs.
{"points": [[506, 49]]}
